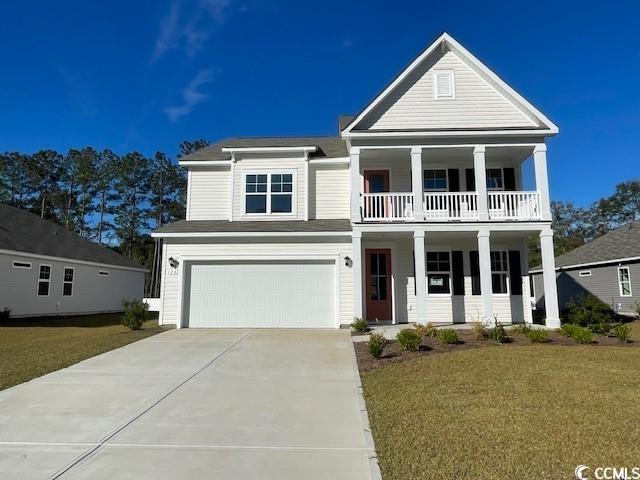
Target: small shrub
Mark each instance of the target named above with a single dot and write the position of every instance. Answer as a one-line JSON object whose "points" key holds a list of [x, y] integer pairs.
{"points": [[480, 332], [522, 329], [623, 332], [498, 332], [377, 341], [582, 335], [537, 335], [568, 329], [602, 328], [135, 314], [636, 308], [588, 310], [448, 336], [360, 325], [5, 314], [426, 331], [408, 339]]}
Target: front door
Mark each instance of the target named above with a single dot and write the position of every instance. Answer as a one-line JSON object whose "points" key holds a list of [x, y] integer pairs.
{"points": [[376, 181], [378, 284]]}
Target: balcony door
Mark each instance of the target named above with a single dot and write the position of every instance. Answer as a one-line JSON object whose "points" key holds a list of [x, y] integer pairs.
{"points": [[376, 181], [378, 284]]}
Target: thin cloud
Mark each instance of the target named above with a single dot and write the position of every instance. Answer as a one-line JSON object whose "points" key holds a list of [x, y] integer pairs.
{"points": [[192, 95], [169, 33]]}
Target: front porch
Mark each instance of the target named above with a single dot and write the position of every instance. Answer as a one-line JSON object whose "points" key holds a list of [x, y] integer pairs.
{"points": [[444, 277]]}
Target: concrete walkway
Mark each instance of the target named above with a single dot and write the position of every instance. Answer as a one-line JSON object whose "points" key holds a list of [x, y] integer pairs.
{"points": [[187, 404]]}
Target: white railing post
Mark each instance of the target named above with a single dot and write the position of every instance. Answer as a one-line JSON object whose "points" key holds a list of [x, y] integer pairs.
{"points": [[356, 186], [416, 183], [480, 172]]}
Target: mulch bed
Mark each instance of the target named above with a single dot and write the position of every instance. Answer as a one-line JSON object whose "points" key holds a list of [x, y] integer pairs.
{"points": [[430, 346]]}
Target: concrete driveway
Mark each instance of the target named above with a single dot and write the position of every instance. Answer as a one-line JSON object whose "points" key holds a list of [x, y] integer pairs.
{"points": [[211, 404]]}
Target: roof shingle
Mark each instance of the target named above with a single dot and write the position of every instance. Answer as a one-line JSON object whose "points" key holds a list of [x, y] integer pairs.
{"points": [[276, 226]]}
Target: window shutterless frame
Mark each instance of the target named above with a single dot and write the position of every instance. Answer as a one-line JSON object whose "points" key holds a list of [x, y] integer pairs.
{"points": [[439, 266], [624, 281], [437, 178], [43, 286], [271, 188], [500, 274], [495, 179], [67, 281]]}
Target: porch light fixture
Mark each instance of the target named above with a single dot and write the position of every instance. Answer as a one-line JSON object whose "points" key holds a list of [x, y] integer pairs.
{"points": [[347, 261], [173, 262]]}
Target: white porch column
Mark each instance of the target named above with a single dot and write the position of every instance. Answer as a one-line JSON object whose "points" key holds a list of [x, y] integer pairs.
{"points": [[484, 257], [416, 183], [421, 277], [480, 172], [356, 239], [549, 279], [356, 184], [542, 179]]}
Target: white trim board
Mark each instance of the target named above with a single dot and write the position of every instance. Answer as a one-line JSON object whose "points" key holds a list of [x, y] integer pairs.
{"points": [[584, 265], [70, 260]]}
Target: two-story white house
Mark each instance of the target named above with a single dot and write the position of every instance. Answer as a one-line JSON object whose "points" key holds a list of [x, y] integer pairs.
{"points": [[416, 212]]}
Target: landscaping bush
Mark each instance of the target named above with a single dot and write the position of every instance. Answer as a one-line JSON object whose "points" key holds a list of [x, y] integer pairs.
{"points": [[588, 310], [377, 341], [498, 333], [568, 329], [522, 329], [135, 314], [360, 325], [426, 331], [408, 339], [582, 335], [623, 332], [480, 332], [636, 308], [5, 314], [602, 328], [537, 335], [448, 336]]}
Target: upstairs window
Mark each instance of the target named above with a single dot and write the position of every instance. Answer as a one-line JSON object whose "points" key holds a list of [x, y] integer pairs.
{"points": [[44, 280], [495, 180], [67, 282], [438, 273], [443, 84], [435, 180], [269, 193]]}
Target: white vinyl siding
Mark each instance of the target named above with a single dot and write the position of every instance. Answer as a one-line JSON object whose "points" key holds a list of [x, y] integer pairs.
{"points": [[329, 191], [209, 193], [476, 103], [243, 247], [91, 293]]}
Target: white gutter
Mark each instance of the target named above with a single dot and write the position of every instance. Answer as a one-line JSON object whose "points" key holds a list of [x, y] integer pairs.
{"points": [[305, 149]]}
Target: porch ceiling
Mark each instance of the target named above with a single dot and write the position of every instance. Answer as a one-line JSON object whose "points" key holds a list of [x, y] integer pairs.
{"points": [[504, 155]]}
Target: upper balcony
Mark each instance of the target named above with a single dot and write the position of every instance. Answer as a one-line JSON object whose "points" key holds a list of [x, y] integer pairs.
{"points": [[460, 184]]}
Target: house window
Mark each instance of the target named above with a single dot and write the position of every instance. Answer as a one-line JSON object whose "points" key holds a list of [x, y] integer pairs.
{"points": [[435, 180], [102, 273], [44, 279], [26, 265], [438, 273], [499, 272], [495, 180], [67, 282], [443, 84], [585, 273], [624, 279], [269, 193]]}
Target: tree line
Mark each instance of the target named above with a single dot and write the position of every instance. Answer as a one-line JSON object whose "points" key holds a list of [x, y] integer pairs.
{"points": [[574, 226], [114, 200]]}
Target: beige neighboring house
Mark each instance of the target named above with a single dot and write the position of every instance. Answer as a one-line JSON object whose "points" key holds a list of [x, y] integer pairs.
{"points": [[415, 212], [46, 270]]}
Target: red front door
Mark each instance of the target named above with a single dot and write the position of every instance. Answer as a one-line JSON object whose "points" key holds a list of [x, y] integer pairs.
{"points": [[376, 181], [378, 284]]}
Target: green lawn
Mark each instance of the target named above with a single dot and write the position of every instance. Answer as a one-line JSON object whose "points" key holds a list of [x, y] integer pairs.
{"points": [[31, 348], [506, 412]]}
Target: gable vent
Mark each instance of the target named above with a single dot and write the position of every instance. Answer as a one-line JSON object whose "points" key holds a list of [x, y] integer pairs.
{"points": [[444, 84]]}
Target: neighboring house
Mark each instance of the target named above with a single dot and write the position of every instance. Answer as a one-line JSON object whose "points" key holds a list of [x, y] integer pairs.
{"points": [[607, 267], [414, 213], [48, 270]]}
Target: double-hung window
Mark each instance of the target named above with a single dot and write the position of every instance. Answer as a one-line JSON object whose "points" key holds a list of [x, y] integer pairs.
{"points": [[269, 193], [495, 179], [44, 280], [67, 282], [435, 180], [624, 280], [438, 273], [499, 272]]}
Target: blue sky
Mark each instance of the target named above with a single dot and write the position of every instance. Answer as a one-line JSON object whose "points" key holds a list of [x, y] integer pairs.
{"points": [[144, 75]]}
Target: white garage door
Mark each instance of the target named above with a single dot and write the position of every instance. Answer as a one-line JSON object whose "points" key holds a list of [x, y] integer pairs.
{"points": [[261, 294]]}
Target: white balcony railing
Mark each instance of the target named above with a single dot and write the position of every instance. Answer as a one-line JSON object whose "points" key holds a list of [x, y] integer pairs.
{"points": [[387, 206], [451, 206], [514, 205]]}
